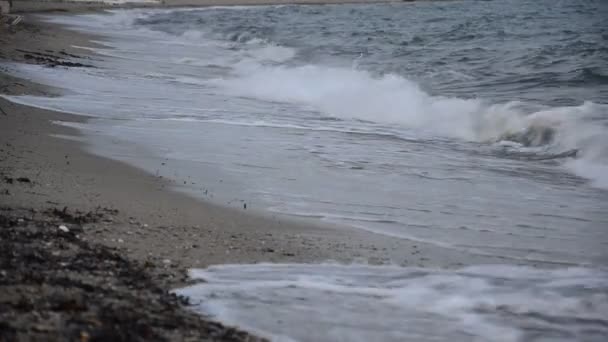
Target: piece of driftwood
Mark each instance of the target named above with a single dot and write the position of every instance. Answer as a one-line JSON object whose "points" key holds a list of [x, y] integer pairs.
{"points": [[16, 20]]}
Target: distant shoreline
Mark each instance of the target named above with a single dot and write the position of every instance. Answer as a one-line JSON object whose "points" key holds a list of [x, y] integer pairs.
{"points": [[23, 6]]}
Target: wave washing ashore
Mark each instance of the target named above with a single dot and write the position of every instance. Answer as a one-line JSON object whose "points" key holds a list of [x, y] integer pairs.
{"points": [[476, 126], [388, 303]]}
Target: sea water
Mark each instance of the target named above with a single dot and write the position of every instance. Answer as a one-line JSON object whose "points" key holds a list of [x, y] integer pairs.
{"points": [[475, 125], [316, 303]]}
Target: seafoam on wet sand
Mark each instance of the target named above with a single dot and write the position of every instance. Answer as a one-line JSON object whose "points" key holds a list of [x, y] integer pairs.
{"points": [[387, 303], [439, 122]]}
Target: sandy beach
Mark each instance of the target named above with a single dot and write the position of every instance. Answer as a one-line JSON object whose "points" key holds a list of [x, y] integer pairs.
{"points": [[49, 180]]}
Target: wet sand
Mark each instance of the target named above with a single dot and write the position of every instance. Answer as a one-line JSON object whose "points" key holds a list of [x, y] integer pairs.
{"points": [[47, 178]]}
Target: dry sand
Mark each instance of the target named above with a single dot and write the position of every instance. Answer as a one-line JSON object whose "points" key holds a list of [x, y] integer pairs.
{"points": [[47, 178]]}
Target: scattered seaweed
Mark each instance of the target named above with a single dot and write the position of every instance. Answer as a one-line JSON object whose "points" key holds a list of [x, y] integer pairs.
{"points": [[55, 285]]}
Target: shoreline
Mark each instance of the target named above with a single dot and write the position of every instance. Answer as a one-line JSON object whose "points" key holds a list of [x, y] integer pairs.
{"points": [[137, 214], [26, 6], [64, 174], [154, 194]]}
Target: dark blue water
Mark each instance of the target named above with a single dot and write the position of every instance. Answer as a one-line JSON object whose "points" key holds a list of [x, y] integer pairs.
{"points": [[548, 52]]}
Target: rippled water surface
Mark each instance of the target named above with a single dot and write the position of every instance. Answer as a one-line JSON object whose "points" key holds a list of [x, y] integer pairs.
{"points": [[381, 303], [476, 125]]}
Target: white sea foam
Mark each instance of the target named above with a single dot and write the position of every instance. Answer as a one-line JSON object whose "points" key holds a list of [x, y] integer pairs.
{"points": [[374, 143], [391, 99], [597, 172], [350, 93], [333, 302]]}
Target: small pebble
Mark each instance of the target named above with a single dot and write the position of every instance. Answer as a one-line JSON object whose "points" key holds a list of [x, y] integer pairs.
{"points": [[64, 229]]}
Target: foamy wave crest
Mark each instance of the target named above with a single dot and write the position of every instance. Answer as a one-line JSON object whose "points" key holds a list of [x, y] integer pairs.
{"points": [[579, 131], [388, 303]]}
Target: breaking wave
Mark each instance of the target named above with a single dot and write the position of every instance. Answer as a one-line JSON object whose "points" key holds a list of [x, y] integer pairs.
{"points": [[298, 302], [548, 133], [263, 66]]}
